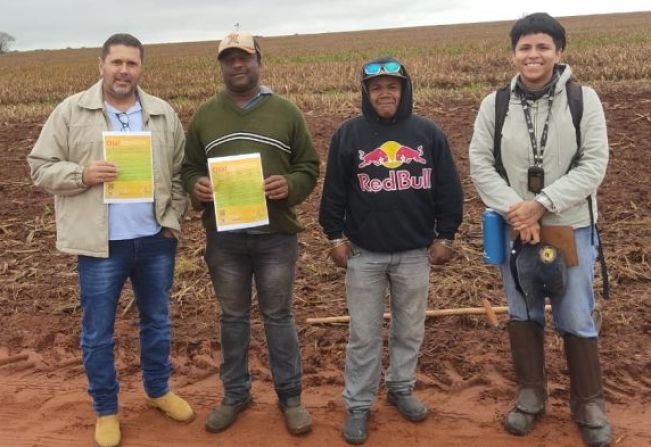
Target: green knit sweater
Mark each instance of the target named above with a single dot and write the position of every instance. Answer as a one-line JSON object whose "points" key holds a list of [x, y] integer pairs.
{"points": [[273, 127]]}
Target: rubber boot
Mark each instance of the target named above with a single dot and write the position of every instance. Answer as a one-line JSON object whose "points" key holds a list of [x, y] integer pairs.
{"points": [[527, 351], [356, 426], [408, 406], [586, 392]]}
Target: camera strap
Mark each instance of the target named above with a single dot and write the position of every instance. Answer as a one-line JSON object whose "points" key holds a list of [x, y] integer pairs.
{"points": [[532, 132]]}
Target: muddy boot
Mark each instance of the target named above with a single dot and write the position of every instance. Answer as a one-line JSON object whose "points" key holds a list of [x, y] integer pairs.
{"points": [[408, 406], [297, 418], [356, 426], [586, 392], [223, 416], [527, 351]]}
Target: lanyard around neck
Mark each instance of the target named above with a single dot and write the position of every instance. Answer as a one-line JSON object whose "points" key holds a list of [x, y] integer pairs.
{"points": [[532, 132]]}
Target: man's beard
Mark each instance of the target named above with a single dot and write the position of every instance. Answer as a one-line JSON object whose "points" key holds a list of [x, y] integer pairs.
{"points": [[121, 92]]}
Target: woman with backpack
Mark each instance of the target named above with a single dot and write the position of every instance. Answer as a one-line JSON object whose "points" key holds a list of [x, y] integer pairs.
{"points": [[538, 154]]}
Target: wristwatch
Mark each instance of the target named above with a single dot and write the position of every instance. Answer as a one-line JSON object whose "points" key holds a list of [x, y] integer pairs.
{"points": [[545, 201]]}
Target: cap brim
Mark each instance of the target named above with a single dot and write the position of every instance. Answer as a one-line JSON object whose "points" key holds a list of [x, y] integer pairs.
{"points": [[233, 47]]}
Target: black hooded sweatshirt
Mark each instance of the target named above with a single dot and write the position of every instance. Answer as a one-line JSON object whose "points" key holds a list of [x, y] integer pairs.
{"points": [[391, 184]]}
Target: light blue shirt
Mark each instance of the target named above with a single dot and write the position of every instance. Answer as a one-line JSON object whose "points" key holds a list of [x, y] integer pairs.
{"points": [[129, 220], [262, 92]]}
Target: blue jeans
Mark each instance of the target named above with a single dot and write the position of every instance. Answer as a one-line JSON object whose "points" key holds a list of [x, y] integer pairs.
{"points": [[149, 263], [572, 312], [234, 260], [368, 274]]}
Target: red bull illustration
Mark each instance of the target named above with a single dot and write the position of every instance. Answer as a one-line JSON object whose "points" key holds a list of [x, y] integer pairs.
{"points": [[392, 155], [376, 157], [406, 155]]}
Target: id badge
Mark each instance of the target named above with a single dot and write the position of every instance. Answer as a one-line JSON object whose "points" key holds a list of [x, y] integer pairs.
{"points": [[535, 179]]}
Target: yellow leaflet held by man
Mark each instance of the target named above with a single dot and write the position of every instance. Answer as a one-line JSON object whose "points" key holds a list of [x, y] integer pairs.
{"points": [[238, 191], [132, 153]]}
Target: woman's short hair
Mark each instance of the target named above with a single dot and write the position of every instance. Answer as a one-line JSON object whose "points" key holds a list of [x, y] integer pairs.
{"points": [[539, 22]]}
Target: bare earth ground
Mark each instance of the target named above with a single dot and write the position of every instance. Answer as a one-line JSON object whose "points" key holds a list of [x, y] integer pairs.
{"points": [[464, 375]]}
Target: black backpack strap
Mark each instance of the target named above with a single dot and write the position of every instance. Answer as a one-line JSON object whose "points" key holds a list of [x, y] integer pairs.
{"points": [[575, 102], [502, 98], [605, 286]]}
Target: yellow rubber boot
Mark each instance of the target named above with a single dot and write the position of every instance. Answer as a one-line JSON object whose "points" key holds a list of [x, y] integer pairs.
{"points": [[173, 406], [107, 431]]}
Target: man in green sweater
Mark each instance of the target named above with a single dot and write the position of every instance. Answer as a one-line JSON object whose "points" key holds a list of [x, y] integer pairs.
{"points": [[245, 118]]}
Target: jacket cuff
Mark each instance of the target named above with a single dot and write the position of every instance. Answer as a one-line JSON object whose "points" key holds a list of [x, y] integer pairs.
{"points": [[334, 236], [546, 202], [79, 178], [448, 236]]}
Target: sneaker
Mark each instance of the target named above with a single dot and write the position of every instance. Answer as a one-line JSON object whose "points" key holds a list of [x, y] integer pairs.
{"points": [[408, 406], [223, 416], [107, 431], [356, 426], [297, 418], [173, 406]]}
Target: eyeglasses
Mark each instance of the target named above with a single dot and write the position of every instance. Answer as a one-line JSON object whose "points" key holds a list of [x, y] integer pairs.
{"points": [[379, 68], [123, 117]]}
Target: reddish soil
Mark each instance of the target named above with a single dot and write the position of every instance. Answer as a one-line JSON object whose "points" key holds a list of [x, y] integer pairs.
{"points": [[464, 374]]}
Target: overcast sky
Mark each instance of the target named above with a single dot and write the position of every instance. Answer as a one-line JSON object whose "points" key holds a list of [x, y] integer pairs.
{"points": [[37, 24]]}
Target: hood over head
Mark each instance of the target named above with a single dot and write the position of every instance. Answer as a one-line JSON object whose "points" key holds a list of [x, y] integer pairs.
{"points": [[406, 98]]}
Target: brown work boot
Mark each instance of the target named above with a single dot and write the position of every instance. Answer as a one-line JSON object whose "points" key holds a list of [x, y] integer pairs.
{"points": [[173, 406], [528, 353], [107, 431], [586, 392], [297, 418]]}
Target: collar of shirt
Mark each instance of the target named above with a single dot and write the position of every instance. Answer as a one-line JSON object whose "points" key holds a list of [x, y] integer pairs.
{"points": [[134, 113], [263, 91]]}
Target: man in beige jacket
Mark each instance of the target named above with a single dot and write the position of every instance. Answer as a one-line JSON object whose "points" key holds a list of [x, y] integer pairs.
{"points": [[116, 241]]}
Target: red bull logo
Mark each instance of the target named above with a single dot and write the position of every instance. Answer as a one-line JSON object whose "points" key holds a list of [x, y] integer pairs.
{"points": [[396, 181], [391, 155]]}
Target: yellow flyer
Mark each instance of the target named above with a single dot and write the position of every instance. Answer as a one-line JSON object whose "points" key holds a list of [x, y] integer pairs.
{"points": [[132, 153], [238, 191]]}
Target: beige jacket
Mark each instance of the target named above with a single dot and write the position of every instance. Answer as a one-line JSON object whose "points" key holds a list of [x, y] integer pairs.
{"points": [[72, 138], [567, 190]]}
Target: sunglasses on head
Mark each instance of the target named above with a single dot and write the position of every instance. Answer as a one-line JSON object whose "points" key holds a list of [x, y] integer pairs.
{"points": [[382, 68]]}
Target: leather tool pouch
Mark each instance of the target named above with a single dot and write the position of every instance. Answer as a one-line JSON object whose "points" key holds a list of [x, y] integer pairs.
{"points": [[561, 237]]}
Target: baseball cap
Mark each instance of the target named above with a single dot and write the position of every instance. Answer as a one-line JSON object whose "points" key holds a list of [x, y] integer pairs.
{"points": [[241, 40], [539, 271]]}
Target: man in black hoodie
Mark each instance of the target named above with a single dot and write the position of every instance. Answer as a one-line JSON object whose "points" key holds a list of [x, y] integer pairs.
{"points": [[392, 201]]}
